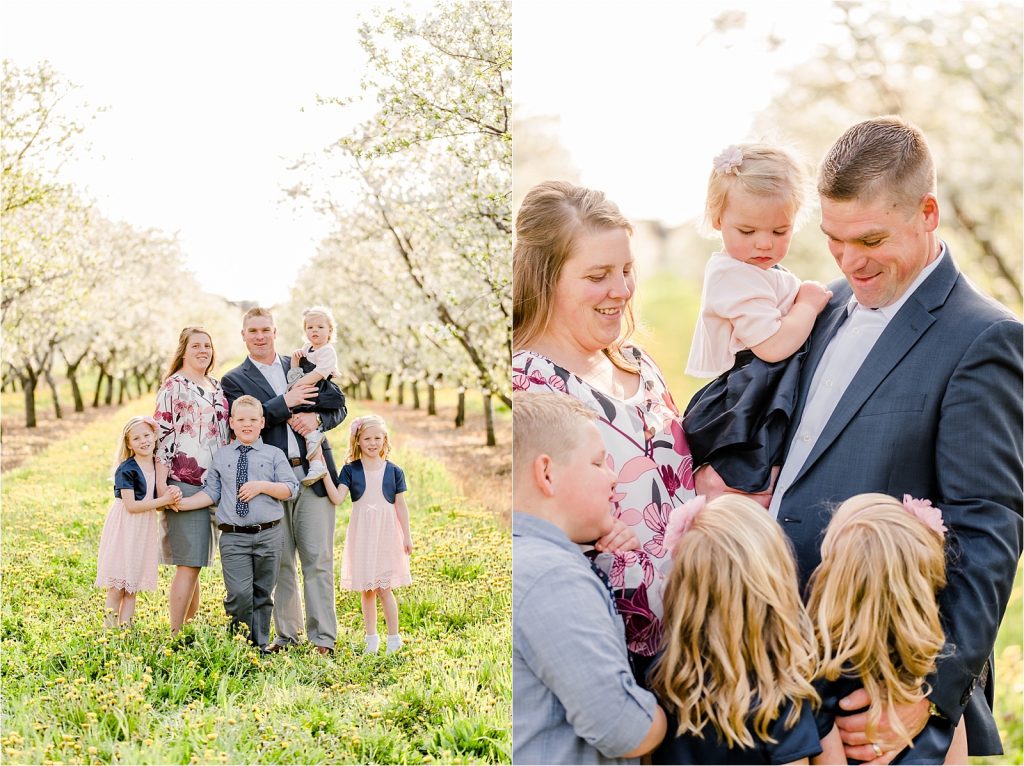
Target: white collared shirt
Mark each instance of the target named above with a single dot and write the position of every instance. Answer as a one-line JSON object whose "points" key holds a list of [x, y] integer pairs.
{"points": [[839, 364], [274, 373]]}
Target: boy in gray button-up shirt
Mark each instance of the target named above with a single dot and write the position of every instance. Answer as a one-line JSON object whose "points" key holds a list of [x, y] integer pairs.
{"points": [[574, 698], [247, 481]]}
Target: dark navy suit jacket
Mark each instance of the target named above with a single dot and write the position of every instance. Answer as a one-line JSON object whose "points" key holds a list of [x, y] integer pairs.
{"points": [[935, 411], [246, 379]]}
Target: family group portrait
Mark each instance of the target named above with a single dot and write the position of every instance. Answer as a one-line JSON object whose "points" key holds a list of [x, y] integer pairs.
{"points": [[767, 374]]}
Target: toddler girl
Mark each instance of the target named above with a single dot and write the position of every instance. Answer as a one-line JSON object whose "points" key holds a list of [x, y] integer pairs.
{"points": [[315, 364], [755, 316], [876, 615], [127, 561], [738, 649], [378, 542]]}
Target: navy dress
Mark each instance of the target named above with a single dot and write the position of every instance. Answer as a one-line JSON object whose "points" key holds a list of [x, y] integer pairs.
{"points": [[930, 746], [801, 741], [738, 421]]}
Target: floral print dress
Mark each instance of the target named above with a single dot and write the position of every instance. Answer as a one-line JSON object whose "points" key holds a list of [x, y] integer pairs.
{"points": [[193, 423], [647, 449]]}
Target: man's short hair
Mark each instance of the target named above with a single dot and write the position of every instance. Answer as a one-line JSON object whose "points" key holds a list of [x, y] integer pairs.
{"points": [[247, 401], [546, 423], [884, 157], [257, 311]]}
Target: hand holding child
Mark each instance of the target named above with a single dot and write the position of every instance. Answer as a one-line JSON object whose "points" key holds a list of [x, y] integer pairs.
{"points": [[814, 294], [303, 393]]}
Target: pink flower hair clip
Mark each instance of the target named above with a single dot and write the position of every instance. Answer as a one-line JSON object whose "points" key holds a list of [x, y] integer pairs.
{"points": [[729, 160], [681, 519], [926, 513], [355, 425]]}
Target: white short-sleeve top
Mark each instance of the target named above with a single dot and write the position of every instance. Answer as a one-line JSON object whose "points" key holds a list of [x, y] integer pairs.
{"points": [[742, 305], [325, 358]]}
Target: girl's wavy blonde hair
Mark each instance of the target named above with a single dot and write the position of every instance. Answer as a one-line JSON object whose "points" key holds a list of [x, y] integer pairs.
{"points": [[124, 450], [737, 642], [552, 215], [873, 603], [359, 425]]}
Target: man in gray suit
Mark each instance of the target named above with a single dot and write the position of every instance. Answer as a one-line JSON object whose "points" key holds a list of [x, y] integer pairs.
{"points": [[912, 384]]}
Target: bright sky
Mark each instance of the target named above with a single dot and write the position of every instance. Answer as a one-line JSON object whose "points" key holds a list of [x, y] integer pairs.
{"points": [[647, 95], [204, 115]]}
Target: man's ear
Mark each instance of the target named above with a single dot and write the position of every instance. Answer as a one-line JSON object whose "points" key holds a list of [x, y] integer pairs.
{"points": [[542, 475]]}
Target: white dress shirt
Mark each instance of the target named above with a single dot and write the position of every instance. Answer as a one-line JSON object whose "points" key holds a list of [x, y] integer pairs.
{"points": [[274, 373], [839, 364]]}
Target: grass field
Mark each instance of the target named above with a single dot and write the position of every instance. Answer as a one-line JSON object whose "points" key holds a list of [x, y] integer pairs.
{"points": [[667, 312], [76, 693]]}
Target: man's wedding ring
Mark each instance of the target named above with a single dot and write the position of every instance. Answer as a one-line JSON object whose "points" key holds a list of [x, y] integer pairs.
{"points": [[877, 749]]}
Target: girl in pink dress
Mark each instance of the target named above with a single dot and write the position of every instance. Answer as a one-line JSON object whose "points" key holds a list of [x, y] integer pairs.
{"points": [[378, 543], [127, 561]]}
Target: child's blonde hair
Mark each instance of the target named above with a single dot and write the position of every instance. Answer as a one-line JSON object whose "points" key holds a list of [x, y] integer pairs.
{"points": [[247, 401], [326, 314], [873, 602], [737, 642], [546, 423], [359, 425], [759, 169], [124, 451]]}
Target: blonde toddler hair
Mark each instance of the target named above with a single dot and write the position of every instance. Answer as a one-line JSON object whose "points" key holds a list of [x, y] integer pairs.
{"points": [[359, 425], [873, 602], [736, 630], [759, 169], [326, 314], [124, 450], [247, 401]]}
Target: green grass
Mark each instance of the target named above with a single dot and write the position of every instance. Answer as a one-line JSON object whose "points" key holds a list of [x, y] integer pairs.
{"points": [[76, 693]]}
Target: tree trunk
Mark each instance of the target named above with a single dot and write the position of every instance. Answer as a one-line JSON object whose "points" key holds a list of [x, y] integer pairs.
{"points": [[109, 398], [387, 387], [400, 399], [99, 387], [122, 385], [48, 376], [431, 398], [489, 419], [460, 412], [76, 391], [415, 394], [28, 386]]}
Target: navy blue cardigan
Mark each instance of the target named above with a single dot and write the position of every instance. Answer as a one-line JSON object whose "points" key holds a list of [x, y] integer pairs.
{"points": [[353, 476], [129, 476]]}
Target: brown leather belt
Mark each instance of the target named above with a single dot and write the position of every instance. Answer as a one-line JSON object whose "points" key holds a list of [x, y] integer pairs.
{"points": [[295, 461]]}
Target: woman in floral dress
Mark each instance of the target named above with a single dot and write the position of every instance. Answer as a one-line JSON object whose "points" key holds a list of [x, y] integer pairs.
{"points": [[192, 412], [573, 283]]}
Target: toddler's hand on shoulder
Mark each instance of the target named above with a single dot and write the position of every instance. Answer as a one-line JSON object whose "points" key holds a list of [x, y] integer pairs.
{"points": [[814, 294]]}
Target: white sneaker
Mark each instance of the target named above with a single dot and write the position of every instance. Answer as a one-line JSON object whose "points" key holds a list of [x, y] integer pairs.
{"points": [[394, 644], [372, 644], [313, 443], [315, 474]]}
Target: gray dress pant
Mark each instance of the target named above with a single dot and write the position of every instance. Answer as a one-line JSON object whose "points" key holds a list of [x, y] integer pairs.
{"points": [[309, 532], [250, 562]]}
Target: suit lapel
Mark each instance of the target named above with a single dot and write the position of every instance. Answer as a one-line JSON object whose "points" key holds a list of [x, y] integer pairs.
{"points": [[258, 379], [901, 334]]}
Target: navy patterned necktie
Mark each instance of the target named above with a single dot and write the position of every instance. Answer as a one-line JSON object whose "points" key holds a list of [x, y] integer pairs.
{"points": [[603, 577], [241, 477]]}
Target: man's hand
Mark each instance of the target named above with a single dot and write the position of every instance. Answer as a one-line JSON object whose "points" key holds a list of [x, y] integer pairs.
{"points": [[709, 483], [303, 422], [304, 393], [619, 538], [855, 739]]}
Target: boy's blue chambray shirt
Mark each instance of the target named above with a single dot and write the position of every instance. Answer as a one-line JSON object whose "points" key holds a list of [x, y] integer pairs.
{"points": [[574, 699], [266, 463]]}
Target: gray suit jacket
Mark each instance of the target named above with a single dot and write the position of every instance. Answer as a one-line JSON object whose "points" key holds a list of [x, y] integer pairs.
{"points": [[935, 411]]}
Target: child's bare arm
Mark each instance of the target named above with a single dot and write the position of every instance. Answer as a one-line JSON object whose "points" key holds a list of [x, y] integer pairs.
{"points": [[149, 504], [796, 325], [403, 518], [194, 502], [336, 493], [831, 749], [309, 379]]}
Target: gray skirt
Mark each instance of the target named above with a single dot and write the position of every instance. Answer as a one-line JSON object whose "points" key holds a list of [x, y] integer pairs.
{"points": [[188, 538]]}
